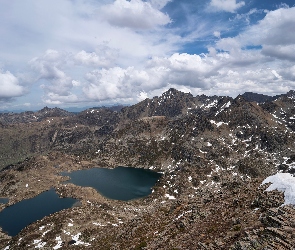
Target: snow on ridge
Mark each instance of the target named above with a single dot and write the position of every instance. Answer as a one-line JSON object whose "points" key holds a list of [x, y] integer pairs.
{"points": [[170, 197], [218, 124], [224, 106], [77, 241], [283, 182], [209, 105]]}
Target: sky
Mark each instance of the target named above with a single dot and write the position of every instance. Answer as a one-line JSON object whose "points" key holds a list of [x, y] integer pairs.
{"points": [[76, 53]]}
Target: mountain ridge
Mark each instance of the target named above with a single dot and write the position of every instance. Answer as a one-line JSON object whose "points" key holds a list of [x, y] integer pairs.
{"points": [[214, 153]]}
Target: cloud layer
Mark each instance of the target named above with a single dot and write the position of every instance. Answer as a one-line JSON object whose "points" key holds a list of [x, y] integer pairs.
{"points": [[124, 51], [135, 14]]}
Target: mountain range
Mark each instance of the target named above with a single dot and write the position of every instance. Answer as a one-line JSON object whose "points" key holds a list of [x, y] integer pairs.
{"points": [[214, 153]]}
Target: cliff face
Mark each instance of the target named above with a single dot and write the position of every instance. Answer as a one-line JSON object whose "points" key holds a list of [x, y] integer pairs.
{"points": [[214, 153]]}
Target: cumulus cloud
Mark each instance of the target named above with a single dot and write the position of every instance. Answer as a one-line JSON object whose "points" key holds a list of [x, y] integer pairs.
{"points": [[276, 28], [48, 68], [56, 81], [10, 86], [104, 56], [90, 58], [226, 5], [179, 69], [113, 83], [228, 68], [135, 14], [282, 52]]}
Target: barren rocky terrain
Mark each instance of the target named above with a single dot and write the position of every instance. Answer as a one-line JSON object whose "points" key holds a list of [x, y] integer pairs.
{"points": [[214, 153]]}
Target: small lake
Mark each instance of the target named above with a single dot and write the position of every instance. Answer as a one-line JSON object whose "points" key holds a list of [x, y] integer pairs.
{"points": [[121, 183], [4, 200], [16, 217]]}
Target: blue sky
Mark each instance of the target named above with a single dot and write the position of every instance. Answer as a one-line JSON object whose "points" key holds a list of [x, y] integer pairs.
{"points": [[90, 53]]}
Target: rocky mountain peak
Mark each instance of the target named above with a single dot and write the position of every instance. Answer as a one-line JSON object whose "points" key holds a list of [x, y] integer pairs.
{"points": [[172, 93], [45, 109], [291, 94], [259, 98], [239, 100]]}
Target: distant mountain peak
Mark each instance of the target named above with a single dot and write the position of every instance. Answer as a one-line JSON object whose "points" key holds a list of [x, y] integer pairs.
{"points": [[259, 98], [174, 92], [291, 94]]}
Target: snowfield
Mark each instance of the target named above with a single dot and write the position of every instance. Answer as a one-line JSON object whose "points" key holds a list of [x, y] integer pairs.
{"points": [[283, 182]]}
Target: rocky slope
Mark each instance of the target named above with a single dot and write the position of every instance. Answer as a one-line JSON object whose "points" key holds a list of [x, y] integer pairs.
{"points": [[214, 152]]}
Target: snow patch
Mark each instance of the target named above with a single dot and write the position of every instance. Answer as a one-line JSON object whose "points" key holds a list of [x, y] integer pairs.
{"points": [[170, 197], [40, 243], [98, 224], [59, 243], [218, 124], [78, 242], [283, 182]]}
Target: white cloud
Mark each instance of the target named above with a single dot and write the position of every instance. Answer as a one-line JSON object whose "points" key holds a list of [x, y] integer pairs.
{"points": [[104, 56], [10, 86], [84, 25], [90, 59], [276, 74], [47, 64], [216, 34], [288, 73], [276, 28], [159, 4], [247, 16], [142, 96], [282, 52], [56, 99], [124, 50], [273, 33], [57, 85], [228, 69], [226, 5], [114, 83], [179, 69], [135, 14]]}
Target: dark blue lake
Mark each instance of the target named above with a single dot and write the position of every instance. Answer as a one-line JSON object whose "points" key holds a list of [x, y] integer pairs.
{"points": [[121, 183], [4, 200], [16, 217]]}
